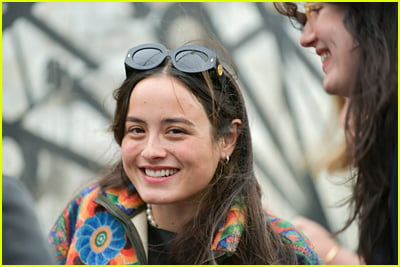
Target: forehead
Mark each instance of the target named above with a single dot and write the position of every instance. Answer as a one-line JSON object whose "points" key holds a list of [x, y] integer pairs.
{"points": [[164, 93]]}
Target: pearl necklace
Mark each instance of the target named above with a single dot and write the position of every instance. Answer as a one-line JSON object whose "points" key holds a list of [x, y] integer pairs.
{"points": [[150, 218]]}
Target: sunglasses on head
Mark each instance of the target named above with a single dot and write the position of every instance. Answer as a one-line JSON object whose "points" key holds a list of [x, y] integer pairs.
{"points": [[187, 58]]}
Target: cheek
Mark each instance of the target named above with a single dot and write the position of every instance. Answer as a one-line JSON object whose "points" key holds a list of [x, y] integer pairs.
{"points": [[124, 146], [202, 156], [349, 71], [355, 60], [124, 156], [128, 150], [206, 151]]}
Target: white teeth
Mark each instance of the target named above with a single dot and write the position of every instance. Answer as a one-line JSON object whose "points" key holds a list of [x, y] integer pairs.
{"points": [[325, 56], [160, 173]]}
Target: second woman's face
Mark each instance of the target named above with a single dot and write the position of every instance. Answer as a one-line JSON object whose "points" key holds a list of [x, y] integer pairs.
{"points": [[326, 32], [168, 151]]}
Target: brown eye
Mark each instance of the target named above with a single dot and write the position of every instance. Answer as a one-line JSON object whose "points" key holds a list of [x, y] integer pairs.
{"points": [[176, 131], [135, 130], [312, 9], [315, 9]]}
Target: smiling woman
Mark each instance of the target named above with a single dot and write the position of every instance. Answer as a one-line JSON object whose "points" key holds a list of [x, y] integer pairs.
{"points": [[357, 43], [187, 166], [161, 153]]}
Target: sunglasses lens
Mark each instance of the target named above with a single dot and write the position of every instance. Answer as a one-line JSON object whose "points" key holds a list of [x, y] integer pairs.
{"points": [[148, 58], [192, 61]]}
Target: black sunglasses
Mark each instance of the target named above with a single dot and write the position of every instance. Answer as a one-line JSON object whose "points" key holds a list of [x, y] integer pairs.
{"points": [[187, 58]]}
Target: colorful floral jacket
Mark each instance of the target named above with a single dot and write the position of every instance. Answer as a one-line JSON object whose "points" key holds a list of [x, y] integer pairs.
{"points": [[110, 227]]}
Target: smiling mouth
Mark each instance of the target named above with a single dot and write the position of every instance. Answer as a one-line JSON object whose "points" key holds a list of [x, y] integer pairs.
{"points": [[160, 173], [325, 56]]}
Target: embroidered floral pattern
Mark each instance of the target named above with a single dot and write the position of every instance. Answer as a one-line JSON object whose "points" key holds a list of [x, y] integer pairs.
{"points": [[299, 243], [86, 233], [100, 239], [124, 199], [229, 233]]}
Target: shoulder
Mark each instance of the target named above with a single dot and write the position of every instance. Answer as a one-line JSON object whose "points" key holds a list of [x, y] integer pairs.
{"points": [[21, 223], [81, 207], [16, 197], [14, 190], [85, 197], [305, 251]]}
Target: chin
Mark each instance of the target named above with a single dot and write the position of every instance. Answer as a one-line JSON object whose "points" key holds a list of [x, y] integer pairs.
{"points": [[336, 91], [335, 88], [155, 199], [330, 88]]}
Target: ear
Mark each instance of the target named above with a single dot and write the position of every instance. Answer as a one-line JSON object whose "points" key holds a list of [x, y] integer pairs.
{"points": [[227, 143]]}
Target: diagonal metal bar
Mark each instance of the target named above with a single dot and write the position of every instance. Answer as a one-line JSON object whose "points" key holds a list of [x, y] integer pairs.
{"points": [[90, 63], [15, 131]]}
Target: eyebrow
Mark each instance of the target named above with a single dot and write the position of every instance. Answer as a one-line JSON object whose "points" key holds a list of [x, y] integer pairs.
{"points": [[177, 120], [134, 119], [164, 121]]}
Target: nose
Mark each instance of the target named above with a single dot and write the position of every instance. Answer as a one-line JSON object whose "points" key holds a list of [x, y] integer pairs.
{"points": [[154, 149], [308, 35]]}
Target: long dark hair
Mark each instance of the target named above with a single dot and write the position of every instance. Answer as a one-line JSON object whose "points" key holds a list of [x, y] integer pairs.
{"points": [[223, 102], [373, 111]]}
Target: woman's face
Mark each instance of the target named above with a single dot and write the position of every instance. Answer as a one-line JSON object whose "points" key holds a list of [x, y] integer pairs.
{"points": [[325, 30], [168, 151]]}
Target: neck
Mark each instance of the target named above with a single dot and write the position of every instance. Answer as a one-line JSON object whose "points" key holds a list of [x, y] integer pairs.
{"points": [[171, 217]]}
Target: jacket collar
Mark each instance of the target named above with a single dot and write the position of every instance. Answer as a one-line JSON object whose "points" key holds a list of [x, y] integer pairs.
{"points": [[230, 231], [227, 235], [126, 199]]}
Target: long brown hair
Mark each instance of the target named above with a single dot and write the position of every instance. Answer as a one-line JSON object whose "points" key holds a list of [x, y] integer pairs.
{"points": [[223, 102], [373, 110]]}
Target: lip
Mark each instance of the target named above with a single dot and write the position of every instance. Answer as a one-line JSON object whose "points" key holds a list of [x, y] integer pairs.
{"points": [[152, 180], [322, 52], [325, 65]]}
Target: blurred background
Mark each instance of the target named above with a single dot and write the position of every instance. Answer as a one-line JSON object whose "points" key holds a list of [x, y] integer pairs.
{"points": [[61, 62]]}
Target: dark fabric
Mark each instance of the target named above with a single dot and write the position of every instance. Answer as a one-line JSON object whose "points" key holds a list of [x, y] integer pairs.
{"points": [[387, 253], [394, 202], [159, 245], [23, 239]]}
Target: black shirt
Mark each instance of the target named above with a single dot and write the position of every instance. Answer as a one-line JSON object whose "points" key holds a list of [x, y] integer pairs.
{"points": [[159, 245]]}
